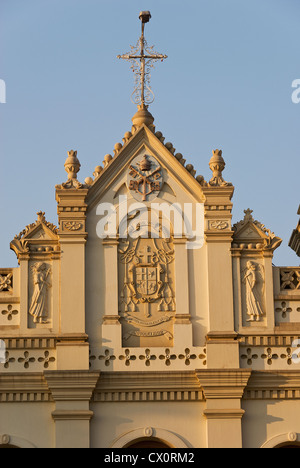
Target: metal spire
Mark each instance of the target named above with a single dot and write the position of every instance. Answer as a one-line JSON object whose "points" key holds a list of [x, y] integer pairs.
{"points": [[142, 58]]}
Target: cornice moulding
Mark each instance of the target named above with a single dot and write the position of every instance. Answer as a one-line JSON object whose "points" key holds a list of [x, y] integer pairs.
{"points": [[224, 384], [272, 385], [23, 387], [71, 385], [223, 413], [275, 379], [73, 415], [148, 386]]}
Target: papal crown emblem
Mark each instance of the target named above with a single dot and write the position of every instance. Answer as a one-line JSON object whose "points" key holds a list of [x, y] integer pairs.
{"points": [[145, 164]]}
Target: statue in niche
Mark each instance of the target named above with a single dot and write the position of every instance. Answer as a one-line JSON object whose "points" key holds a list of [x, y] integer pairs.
{"points": [[252, 278], [39, 303]]}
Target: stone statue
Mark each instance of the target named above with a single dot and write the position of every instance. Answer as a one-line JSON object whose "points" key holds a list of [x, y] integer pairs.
{"points": [[39, 303], [253, 300]]}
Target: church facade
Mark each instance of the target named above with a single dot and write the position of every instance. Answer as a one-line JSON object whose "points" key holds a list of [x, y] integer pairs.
{"points": [[146, 317]]}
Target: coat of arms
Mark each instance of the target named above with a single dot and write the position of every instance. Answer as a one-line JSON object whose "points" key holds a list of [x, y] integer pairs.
{"points": [[145, 273], [146, 280], [146, 276], [145, 178]]}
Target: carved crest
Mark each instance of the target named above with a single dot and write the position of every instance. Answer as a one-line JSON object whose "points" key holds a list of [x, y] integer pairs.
{"points": [[146, 280], [145, 178], [146, 290]]}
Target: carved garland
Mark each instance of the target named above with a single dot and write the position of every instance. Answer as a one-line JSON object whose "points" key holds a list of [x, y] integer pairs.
{"points": [[73, 226]]}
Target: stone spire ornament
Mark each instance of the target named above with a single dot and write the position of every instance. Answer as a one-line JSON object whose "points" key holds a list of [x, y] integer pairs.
{"points": [[217, 166], [72, 167], [142, 58]]}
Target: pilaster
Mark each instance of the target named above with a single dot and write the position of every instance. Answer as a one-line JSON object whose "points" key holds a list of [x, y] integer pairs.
{"points": [[72, 350], [72, 392], [72, 236], [111, 325], [24, 300], [183, 325], [222, 347], [223, 390]]}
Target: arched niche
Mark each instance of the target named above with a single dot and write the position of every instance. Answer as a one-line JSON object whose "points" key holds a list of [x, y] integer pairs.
{"points": [[10, 441], [149, 437], [8, 446], [148, 443], [287, 440]]}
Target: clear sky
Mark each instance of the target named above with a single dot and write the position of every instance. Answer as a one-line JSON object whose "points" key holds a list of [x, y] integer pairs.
{"points": [[227, 84]]}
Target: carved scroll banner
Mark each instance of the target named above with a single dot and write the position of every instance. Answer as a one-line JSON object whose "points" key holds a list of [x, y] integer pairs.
{"points": [[143, 323], [149, 334]]}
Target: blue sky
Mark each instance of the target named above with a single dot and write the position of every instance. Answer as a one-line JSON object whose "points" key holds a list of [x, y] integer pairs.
{"points": [[227, 84]]}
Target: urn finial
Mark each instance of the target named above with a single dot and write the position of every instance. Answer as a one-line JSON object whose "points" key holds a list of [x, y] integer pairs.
{"points": [[217, 165]]}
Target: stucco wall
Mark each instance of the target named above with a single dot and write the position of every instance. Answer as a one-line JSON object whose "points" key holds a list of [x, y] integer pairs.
{"points": [[183, 420]]}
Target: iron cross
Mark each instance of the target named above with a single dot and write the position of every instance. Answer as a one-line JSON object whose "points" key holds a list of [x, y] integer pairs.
{"points": [[142, 58]]}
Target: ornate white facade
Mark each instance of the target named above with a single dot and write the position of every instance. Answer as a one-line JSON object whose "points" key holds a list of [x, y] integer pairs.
{"points": [[109, 342]]}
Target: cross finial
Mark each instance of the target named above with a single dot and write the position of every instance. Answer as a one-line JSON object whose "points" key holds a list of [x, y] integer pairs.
{"points": [[142, 58]]}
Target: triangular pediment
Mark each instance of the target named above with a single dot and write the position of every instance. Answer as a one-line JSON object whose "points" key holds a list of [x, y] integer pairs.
{"points": [[142, 142], [249, 231], [41, 233]]}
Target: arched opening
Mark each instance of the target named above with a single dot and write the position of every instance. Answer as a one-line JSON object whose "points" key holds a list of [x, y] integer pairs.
{"points": [[167, 439], [148, 443], [287, 440], [288, 446], [8, 441], [8, 446]]}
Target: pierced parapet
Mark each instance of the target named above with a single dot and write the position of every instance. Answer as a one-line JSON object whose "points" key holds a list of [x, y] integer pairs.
{"points": [[6, 281]]}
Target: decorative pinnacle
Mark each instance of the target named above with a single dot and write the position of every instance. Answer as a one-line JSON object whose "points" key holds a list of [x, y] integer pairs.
{"points": [[145, 16], [217, 166], [72, 165], [41, 217], [142, 58]]}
